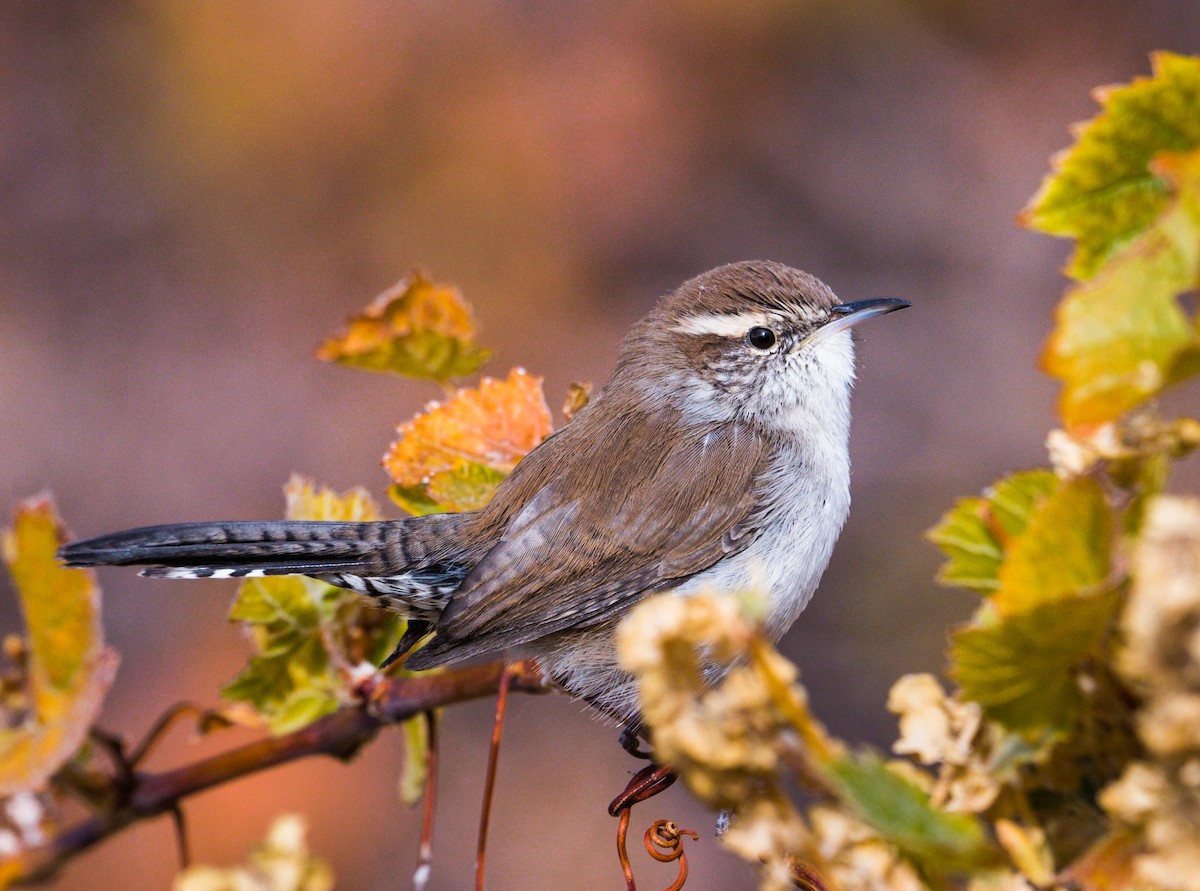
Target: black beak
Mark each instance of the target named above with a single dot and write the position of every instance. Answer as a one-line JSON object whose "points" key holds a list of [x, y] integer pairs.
{"points": [[844, 315], [869, 308]]}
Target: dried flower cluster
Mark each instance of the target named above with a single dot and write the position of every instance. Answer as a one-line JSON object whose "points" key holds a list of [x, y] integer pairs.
{"points": [[281, 863], [729, 716], [937, 729], [726, 739], [1160, 795]]}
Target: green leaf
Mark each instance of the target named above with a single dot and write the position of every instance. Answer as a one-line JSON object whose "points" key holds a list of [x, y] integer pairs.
{"points": [[902, 814], [1122, 336], [1014, 499], [264, 680], [1063, 551], [1021, 668], [290, 688], [968, 541], [414, 500], [68, 668], [301, 708], [286, 601], [391, 627], [293, 679], [1103, 191], [973, 534], [469, 486]]}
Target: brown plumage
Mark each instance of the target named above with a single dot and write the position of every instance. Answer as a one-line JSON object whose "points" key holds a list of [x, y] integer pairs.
{"points": [[716, 455]]}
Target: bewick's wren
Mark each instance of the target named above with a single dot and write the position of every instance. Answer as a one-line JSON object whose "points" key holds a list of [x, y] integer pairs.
{"points": [[716, 456]]}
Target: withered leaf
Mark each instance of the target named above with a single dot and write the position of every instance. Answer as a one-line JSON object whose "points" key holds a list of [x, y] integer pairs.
{"points": [[416, 328], [69, 668]]}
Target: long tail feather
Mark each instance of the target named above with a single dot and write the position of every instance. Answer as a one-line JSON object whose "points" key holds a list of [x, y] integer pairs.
{"points": [[410, 565], [296, 547]]}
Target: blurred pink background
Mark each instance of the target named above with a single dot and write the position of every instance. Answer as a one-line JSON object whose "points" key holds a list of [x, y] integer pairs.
{"points": [[195, 194]]}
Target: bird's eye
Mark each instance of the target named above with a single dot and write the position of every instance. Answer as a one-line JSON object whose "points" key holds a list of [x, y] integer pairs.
{"points": [[761, 338]]}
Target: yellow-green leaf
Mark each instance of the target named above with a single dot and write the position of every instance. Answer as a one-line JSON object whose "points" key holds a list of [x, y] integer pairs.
{"points": [[902, 814], [416, 328], [1103, 191], [69, 668], [464, 486], [415, 769], [1022, 668], [308, 501], [1122, 336], [290, 688], [1063, 551], [973, 534]]}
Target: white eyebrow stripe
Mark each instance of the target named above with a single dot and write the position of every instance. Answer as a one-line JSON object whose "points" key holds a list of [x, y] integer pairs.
{"points": [[721, 325]]}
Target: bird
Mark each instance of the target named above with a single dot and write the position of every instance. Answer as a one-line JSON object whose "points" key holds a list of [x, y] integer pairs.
{"points": [[716, 457]]}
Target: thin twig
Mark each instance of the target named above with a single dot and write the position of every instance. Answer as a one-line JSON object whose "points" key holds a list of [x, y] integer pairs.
{"points": [[159, 728], [664, 842], [425, 851], [339, 735], [181, 837], [490, 783], [622, 854]]}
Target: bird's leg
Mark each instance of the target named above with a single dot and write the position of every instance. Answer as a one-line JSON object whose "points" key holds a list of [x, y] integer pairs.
{"points": [[413, 632], [631, 739]]}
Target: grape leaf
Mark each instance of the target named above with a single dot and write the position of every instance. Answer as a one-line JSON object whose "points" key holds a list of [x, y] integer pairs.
{"points": [[415, 328], [301, 627], [1063, 550], [1021, 668], [973, 534], [291, 681], [1103, 190], [902, 814], [1122, 336], [454, 455], [69, 669]]}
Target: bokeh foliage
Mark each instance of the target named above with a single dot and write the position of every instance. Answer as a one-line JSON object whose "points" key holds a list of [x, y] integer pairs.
{"points": [[1067, 754]]}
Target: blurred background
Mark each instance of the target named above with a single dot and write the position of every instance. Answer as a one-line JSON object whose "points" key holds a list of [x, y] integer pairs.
{"points": [[193, 195]]}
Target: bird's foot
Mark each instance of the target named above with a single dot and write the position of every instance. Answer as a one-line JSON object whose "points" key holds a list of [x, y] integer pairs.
{"points": [[631, 740], [646, 783]]}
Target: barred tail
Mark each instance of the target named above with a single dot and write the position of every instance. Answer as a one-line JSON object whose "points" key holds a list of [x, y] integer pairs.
{"points": [[246, 549]]}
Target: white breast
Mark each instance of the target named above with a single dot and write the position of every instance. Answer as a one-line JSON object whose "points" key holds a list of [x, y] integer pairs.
{"points": [[809, 485], [790, 553]]}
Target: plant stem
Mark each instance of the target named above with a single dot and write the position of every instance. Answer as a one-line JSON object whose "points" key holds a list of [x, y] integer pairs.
{"points": [[339, 735]]}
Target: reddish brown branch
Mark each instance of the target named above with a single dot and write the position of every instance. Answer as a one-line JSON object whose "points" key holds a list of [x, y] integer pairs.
{"points": [[340, 735]]}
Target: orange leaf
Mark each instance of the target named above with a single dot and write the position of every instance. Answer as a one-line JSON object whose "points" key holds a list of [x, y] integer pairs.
{"points": [[472, 440]]}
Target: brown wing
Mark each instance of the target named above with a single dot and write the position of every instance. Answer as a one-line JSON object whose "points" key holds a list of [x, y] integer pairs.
{"points": [[602, 522]]}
